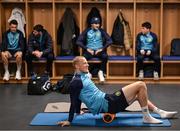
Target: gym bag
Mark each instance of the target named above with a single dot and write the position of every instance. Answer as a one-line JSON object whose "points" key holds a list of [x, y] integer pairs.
{"points": [[38, 85], [63, 86]]}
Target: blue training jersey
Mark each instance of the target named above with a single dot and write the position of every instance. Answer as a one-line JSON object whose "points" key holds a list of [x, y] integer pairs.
{"points": [[146, 42], [94, 39], [92, 97]]}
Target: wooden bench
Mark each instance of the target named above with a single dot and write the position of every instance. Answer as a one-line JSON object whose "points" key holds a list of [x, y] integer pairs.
{"points": [[120, 67], [170, 67]]}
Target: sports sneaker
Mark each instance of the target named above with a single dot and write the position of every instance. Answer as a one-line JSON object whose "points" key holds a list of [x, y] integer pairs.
{"points": [[101, 76], [6, 76], [18, 75], [151, 120], [141, 75], [156, 76]]}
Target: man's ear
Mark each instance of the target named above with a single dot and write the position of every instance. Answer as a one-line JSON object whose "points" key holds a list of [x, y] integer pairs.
{"points": [[76, 66]]}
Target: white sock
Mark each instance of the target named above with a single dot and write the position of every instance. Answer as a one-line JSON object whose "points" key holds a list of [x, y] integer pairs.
{"points": [[6, 68], [19, 68], [147, 118], [165, 114]]}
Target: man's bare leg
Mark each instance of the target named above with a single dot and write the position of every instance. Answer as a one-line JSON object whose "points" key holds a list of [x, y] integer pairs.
{"points": [[18, 56], [5, 56], [138, 91]]}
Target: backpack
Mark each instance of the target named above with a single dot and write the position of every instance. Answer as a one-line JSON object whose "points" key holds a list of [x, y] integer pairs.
{"points": [[175, 47], [63, 86], [38, 85]]}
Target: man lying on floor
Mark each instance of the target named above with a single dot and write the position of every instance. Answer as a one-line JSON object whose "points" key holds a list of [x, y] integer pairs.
{"points": [[82, 89]]}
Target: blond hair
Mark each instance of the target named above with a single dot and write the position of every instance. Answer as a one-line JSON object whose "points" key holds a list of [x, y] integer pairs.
{"points": [[77, 59]]}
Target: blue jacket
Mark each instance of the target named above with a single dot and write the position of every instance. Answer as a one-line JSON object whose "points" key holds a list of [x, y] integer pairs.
{"points": [[81, 41], [154, 42]]}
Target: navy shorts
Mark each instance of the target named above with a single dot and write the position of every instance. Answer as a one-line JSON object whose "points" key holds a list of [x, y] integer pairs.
{"points": [[116, 102], [12, 52]]}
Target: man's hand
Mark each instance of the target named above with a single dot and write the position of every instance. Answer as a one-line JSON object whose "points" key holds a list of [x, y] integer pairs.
{"points": [[18, 53], [90, 51], [98, 51], [142, 52], [148, 53], [64, 123], [34, 52], [37, 53]]}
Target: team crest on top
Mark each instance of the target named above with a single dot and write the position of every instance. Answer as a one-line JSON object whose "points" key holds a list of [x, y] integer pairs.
{"points": [[118, 93]]}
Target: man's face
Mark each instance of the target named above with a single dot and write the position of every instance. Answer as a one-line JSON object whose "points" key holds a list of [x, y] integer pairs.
{"points": [[36, 33], [13, 27], [83, 65], [144, 30], [95, 26]]}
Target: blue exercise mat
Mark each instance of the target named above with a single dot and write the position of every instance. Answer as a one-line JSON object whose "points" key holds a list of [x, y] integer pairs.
{"points": [[87, 119]]}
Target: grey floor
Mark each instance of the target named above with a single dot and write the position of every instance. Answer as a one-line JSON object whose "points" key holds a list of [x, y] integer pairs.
{"points": [[17, 108]]}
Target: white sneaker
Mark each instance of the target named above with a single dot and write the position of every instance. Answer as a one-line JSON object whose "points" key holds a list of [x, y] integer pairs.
{"points": [[156, 76], [6, 76], [141, 75], [101, 76], [151, 120], [168, 114], [18, 75]]}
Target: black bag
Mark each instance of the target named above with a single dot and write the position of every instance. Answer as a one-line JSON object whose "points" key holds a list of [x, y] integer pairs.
{"points": [[63, 86], [175, 47], [38, 85]]}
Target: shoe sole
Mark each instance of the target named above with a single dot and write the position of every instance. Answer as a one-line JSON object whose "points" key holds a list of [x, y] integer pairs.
{"points": [[156, 79], [152, 123], [5, 80], [140, 78], [101, 82], [18, 78]]}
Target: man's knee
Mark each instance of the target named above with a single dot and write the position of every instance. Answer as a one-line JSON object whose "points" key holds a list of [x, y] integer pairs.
{"points": [[157, 58], [87, 55], [19, 59], [50, 57], [142, 85], [4, 56], [105, 57], [140, 58], [19, 55]]}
